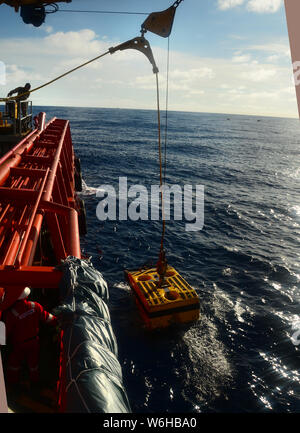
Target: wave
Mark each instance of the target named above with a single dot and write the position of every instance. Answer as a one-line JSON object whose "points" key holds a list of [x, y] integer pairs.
{"points": [[88, 190]]}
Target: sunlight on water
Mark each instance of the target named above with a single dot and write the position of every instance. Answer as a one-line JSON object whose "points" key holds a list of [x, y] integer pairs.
{"points": [[122, 286], [209, 372], [149, 388], [295, 174], [265, 402], [221, 302], [239, 310], [296, 210], [279, 368], [287, 292], [227, 272]]}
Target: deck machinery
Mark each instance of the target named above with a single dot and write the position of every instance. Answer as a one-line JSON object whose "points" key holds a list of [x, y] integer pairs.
{"points": [[15, 123]]}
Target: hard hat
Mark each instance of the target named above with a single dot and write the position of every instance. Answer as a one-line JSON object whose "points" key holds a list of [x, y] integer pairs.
{"points": [[27, 85], [26, 292]]}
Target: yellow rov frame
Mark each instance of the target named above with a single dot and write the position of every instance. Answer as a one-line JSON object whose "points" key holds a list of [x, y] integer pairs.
{"points": [[174, 302]]}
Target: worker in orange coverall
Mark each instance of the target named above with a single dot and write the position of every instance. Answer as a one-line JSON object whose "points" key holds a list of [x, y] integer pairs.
{"points": [[22, 327]]}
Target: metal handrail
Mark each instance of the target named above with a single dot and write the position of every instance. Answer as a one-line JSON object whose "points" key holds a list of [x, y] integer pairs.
{"points": [[19, 113]]}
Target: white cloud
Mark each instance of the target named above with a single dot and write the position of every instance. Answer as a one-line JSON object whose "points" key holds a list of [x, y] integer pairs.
{"points": [[125, 79], [72, 43], [237, 37], [16, 74], [241, 58], [2, 74], [191, 81], [264, 6], [259, 74], [47, 29], [260, 6], [227, 4], [280, 48], [273, 58]]}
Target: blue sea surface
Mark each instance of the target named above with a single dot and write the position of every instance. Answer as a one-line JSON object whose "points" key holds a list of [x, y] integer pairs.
{"points": [[241, 355]]}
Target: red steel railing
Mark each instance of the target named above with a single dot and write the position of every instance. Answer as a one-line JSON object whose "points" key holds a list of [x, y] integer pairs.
{"points": [[37, 186]]}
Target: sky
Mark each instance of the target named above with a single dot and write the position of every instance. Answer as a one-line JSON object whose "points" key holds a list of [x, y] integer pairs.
{"points": [[226, 56]]}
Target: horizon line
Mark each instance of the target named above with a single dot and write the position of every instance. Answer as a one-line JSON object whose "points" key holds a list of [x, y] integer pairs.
{"points": [[178, 111]]}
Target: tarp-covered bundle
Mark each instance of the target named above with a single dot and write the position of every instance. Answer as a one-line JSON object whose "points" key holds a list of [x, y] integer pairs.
{"points": [[93, 376]]}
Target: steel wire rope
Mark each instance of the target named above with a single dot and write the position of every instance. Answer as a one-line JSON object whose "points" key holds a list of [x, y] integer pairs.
{"points": [[166, 112], [160, 168], [104, 12], [163, 169]]}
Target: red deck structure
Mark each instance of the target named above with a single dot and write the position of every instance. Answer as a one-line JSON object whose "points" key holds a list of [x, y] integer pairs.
{"points": [[37, 187]]}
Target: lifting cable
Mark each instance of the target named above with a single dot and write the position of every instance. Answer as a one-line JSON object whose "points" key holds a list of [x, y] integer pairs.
{"points": [[162, 261], [103, 12], [160, 168], [163, 157], [167, 109]]}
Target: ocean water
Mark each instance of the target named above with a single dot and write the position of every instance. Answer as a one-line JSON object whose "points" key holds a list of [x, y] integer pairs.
{"points": [[241, 355]]}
